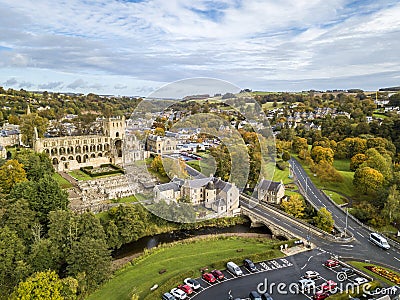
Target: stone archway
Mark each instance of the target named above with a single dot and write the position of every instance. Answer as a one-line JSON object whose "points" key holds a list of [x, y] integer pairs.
{"points": [[118, 147], [55, 161], [78, 158]]}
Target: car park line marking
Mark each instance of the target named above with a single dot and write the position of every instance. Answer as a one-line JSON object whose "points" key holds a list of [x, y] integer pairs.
{"points": [[307, 262]]}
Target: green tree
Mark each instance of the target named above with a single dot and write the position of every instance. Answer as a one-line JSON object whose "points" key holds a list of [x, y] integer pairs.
{"points": [[379, 162], [285, 156], [294, 206], [13, 267], [41, 285], [11, 173], [323, 220], [357, 160], [44, 255], [392, 206], [91, 257], [159, 131], [36, 165], [157, 165], [28, 124], [19, 217], [299, 144], [367, 180], [319, 154], [44, 195]]}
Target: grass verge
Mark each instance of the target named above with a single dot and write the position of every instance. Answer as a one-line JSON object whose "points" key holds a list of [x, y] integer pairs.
{"points": [[62, 182], [361, 265], [337, 198], [180, 259]]}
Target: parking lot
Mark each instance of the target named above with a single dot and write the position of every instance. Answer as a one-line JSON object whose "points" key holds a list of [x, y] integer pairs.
{"points": [[279, 278]]}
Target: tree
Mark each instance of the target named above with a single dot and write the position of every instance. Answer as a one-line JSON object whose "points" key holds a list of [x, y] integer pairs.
{"points": [[36, 165], [157, 165], [367, 180], [91, 257], [323, 220], [392, 206], [45, 285], [28, 124], [159, 131], [13, 267], [357, 160], [380, 162], [44, 255], [43, 196], [11, 173], [326, 172], [19, 217], [299, 144], [294, 206], [319, 154], [285, 156]]}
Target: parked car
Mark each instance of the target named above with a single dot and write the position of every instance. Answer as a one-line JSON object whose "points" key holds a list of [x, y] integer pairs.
{"points": [[178, 294], [306, 284], [187, 289], [254, 295], [193, 283], [168, 296], [331, 263], [266, 296], [232, 267], [218, 274], [321, 295], [311, 275], [329, 285], [249, 265], [209, 277], [360, 280], [348, 271]]}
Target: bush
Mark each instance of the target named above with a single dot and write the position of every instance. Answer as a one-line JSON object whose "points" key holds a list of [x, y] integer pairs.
{"points": [[281, 165]]}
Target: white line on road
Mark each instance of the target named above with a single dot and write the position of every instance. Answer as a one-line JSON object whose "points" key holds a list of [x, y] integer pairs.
{"points": [[307, 262], [360, 234], [396, 258]]}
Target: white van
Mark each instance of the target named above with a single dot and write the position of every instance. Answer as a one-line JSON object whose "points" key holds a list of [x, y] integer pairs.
{"points": [[379, 240], [233, 268]]}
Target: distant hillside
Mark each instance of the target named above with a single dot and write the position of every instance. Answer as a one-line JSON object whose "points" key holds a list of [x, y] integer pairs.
{"points": [[395, 88]]}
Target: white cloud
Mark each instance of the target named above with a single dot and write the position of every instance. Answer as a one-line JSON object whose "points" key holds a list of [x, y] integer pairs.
{"points": [[248, 42]]}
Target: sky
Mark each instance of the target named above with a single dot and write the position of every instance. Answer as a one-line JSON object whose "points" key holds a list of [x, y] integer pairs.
{"points": [[134, 47]]}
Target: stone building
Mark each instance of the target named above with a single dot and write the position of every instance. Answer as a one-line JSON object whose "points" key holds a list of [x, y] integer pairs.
{"points": [[213, 193], [270, 191], [73, 152], [161, 144]]}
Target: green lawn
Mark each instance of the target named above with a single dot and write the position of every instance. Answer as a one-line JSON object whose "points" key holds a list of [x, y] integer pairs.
{"points": [[346, 187], [179, 260], [337, 198], [64, 183], [78, 174], [360, 266], [125, 199]]}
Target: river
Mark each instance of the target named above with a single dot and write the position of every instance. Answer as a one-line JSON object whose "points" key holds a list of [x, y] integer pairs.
{"points": [[153, 241]]}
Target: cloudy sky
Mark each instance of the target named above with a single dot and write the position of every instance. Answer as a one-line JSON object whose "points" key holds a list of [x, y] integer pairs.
{"points": [[134, 47]]}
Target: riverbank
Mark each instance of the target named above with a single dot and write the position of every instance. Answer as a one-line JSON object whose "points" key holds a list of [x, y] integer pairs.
{"points": [[120, 262], [168, 264]]}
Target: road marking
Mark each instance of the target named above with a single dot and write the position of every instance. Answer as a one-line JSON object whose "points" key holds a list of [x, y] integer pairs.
{"points": [[351, 228], [396, 258], [360, 234], [307, 262], [351, 246]]}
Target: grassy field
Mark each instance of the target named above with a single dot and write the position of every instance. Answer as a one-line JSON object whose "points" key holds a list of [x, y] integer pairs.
{"points": [[346, 187], [78, 174], [125, 199], [64, 183], [337, 198], [360, 266], [179, 260]]}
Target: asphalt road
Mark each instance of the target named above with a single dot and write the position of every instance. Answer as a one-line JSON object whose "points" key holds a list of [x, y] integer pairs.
{"points": [[361, 248]]}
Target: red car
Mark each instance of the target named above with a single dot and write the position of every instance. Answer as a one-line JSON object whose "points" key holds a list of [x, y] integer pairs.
{"points": [[329, 285], [218, 274], [331, 263], [321, 295], [209, 277], [184, 287]]}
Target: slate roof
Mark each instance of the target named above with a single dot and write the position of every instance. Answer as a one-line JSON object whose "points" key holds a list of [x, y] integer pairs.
{"points": [[168, 186], [269, 185], [220, 202]]}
